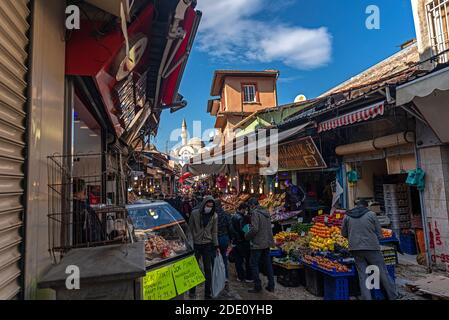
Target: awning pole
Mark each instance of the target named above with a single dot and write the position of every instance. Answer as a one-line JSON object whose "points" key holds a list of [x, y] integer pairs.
{"points": [[424, 217]]}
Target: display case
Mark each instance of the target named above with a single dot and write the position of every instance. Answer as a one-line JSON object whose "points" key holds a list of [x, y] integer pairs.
{"points": [[164, 230]]}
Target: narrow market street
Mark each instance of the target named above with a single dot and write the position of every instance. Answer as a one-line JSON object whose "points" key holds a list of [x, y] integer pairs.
{"points": [[408, 271], [227, 150]]}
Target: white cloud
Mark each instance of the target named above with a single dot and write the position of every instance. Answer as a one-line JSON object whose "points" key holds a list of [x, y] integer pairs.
{"points": [[230, 31]]}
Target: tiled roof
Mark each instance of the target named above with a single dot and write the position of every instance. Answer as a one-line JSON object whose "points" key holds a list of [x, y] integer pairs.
{"points": [[402, 60], [397, 69]]}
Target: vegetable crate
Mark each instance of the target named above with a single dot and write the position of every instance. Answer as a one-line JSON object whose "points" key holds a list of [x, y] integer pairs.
{"points": [[408, 244], [291, 277], [314, 281], [377, 294], [336, 288]]}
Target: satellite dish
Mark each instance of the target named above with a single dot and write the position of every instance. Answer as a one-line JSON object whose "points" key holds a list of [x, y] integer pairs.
{"points": [[300, 98]]}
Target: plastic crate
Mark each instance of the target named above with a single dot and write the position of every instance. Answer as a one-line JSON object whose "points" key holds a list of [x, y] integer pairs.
{"points": [[408, 244], [276, 253], [395, 210], [336, 288], [377, 294], [291, 278], [314, 281]]}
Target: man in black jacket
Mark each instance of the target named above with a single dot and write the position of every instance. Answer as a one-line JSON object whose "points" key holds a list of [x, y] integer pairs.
{"points": [[241, 245]]}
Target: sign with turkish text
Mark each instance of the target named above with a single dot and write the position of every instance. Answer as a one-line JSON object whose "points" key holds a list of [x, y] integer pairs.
{"points": [[158, 284], [187, 274], [301, 154]]}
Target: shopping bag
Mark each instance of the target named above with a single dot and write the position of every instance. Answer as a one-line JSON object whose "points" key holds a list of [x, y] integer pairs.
{"points": [[218, 276]]}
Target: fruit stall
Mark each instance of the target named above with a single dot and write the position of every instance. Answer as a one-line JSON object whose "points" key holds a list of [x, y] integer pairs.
{"points": [[316, 256]]}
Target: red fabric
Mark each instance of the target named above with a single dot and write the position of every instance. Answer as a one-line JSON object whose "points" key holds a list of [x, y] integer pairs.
{"points": [[364, 114], [169, 85]]}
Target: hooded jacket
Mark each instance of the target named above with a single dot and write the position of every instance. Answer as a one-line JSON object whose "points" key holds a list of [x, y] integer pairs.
{"points": [[260, 233], [204, 234], [362, 229]]}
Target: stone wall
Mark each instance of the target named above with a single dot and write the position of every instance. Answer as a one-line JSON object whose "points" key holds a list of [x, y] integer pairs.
{"points": [[435, 163]]}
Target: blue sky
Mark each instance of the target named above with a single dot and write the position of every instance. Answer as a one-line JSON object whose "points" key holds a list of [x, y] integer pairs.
{"points": [[314, 44]]}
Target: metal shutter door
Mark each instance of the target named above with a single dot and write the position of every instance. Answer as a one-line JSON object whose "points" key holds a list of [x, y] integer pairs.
{"points": [[14, 28]]}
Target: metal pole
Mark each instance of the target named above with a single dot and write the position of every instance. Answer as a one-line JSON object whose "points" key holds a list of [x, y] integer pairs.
{"points": [[424, 217]]}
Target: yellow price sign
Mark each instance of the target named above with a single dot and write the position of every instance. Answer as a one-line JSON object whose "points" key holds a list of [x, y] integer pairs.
{"points": [[158, 284], [320, 212], [338, 216], [187, 274]]}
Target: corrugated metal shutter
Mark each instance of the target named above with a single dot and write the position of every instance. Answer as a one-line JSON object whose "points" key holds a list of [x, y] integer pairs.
{"points": [[14, 29]]}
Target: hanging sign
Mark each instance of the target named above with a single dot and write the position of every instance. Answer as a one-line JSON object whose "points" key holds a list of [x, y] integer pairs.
{"points": [[300, 154], [187, 274], [158, 284]]}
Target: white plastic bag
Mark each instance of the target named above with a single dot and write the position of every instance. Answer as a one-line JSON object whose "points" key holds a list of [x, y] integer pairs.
{"points": [[218, 276]]}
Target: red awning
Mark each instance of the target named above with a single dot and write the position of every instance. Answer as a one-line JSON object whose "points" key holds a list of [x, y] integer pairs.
{"points": [[364, 114], [185, 176]]}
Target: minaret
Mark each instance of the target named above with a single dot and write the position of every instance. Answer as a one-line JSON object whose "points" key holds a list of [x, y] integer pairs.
{"points": [[184, 133]]}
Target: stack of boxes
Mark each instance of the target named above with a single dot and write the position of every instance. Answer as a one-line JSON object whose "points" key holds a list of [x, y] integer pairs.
{"points": [[397, 206]]}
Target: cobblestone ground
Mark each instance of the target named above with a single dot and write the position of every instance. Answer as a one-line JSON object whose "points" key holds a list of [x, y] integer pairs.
{"points": [[407, 271]]}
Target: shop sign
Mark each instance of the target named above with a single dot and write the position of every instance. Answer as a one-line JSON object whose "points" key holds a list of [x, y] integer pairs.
{"points": [[168, 282], [187, 274], [159, 285], [300, 155]]}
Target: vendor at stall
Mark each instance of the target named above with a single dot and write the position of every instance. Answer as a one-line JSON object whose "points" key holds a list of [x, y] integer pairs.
{"points": [[295, 196], [363, 231]]}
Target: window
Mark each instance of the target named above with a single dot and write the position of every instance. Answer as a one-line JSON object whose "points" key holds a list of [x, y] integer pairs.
{"points": [[249, 93], [438, 20]]}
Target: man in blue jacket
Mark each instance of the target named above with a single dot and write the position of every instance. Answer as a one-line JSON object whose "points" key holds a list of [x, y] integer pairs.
{"points": [[363, 231]]}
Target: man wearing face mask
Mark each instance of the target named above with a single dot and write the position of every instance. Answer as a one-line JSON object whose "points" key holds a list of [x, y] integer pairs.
{"points": [[203, 224]]}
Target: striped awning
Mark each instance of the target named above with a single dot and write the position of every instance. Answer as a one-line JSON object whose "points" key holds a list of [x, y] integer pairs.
{"points": [[364, 114]]}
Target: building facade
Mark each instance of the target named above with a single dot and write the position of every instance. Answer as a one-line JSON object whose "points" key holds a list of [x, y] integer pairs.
{"points": [[429, 96], [240, 94]]}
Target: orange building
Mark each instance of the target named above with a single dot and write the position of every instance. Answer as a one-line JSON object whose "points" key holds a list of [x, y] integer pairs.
{"points": [[240, 94]]}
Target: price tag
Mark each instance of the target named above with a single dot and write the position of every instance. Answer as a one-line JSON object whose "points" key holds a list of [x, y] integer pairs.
{"points": [[289, 229], [300, 219], [158, 285], [338, 216], [187, 274], [303, 234], [320, 212], [326, 219]]}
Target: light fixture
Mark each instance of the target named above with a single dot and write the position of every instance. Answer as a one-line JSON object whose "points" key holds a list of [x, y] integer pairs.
{"points": [[93, 135], [84, 127], [244, 187], [136, 178], [260, 190], [252, 189]]}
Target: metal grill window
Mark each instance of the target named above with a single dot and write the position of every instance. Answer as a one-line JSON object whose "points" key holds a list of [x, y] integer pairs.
{"points": [[249, 93], [438, 20]]}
